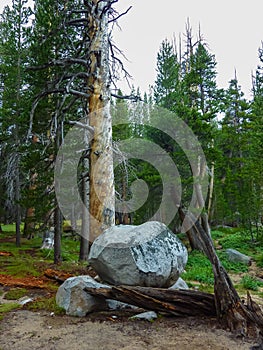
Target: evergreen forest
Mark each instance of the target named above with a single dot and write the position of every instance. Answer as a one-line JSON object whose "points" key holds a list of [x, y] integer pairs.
{"points": [[79, 155]]}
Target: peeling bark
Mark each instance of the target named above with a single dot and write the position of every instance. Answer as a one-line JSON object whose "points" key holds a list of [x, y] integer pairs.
{"points": [[102, 194]]}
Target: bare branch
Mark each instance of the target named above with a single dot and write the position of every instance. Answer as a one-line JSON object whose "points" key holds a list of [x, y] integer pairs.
{"points": [[62, 62], [77, 93], [81, 125], [120, 15], [134, 98]]}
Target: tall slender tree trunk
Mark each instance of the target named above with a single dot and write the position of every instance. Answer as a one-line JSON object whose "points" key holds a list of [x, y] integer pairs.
{"points": [[18, 207], [18, 115], [102, 193], [29, 222], [84, 239], [58, 218], [57, 235]]}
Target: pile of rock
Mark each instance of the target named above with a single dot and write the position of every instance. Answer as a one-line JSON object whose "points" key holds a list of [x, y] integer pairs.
{"points": [[146, 255]]}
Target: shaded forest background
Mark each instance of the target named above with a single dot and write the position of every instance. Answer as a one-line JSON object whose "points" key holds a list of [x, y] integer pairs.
{"points": [[44, 91]]}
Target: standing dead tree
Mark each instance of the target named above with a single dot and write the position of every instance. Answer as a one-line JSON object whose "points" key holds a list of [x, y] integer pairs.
{"points": [[241, 318], [84, 70]]}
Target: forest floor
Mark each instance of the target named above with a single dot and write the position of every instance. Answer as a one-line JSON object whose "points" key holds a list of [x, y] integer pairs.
{"points": [[28, 272], [24, 328]]}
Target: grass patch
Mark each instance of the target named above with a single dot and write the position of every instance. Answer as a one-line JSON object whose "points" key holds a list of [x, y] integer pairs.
{"points": [[4, 308], [25, 260], [198, 269], [251, 283], [15, 293], [259, 260], [47, 304], [23, 267], [236, 240], [216, 234]]}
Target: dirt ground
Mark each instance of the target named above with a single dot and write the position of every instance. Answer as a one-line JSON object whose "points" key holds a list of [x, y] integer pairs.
{"points": [[23, 330]]}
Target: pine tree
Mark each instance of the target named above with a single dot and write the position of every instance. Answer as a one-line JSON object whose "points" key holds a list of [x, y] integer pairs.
{"points": [[232, 171], [167, 82], [15, 106]]}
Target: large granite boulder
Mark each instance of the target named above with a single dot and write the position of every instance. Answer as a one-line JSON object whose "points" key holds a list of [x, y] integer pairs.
{"points": [[145, 255], [75, 301]]}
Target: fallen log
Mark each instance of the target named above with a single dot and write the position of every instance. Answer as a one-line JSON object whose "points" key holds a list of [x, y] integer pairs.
{"points": [[169, 301]]}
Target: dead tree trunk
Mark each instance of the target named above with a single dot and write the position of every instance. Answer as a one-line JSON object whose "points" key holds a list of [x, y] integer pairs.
{"points": [[102, 195], [84, 239], [246, 320], [168, 301]]}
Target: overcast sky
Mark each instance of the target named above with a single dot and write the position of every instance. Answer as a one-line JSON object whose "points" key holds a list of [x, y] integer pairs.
{"points": [[233, 30]]}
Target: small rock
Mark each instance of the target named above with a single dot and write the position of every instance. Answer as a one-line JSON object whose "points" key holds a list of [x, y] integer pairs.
{"points": [[118, 305], [148, 316], [75, 301], [179, 284], [24, 300], [236, 256]]}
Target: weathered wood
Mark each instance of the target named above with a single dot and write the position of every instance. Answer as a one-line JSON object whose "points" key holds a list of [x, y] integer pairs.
{"points": [[175, 302], [231, 311], [101, 186]]}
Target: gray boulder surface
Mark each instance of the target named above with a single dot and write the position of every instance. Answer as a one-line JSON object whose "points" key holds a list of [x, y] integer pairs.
{"points": [[75, 301], [145, 255], [235, 256]]}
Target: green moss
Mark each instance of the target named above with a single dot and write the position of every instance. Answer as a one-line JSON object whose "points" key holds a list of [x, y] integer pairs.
{"points": [[22, 268], [48, 304], [15, 293], [4, 308]]}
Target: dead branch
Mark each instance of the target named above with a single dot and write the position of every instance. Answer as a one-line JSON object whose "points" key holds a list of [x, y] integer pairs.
{"points": [[231, 311], [81, 125], [134, 98], [175, 302], [120, 15]]}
